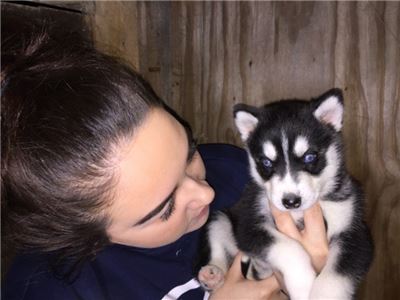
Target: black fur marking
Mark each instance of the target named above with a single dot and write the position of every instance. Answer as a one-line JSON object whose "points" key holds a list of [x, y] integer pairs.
{"points": [[245, 217], [356, 252]]}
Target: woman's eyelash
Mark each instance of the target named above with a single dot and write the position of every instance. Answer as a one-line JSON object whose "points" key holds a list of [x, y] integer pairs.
{"points": [[170, 209]]}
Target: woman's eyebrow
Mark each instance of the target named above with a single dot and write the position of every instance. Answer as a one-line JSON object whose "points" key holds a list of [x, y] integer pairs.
{"points": [[155, 211], [192, 144]]}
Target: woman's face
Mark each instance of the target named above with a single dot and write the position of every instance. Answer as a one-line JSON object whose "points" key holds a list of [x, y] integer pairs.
{"points": [[160, 192]]}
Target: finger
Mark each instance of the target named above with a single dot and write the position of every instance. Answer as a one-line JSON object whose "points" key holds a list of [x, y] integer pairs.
{"points": [[264, 288], [285, 223], [279, 296], [235, 271], [279, 278], [270, 283], [314, 220]]}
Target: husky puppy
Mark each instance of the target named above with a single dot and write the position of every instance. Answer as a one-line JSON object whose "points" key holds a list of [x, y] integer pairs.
{"points": [[296, 158]]}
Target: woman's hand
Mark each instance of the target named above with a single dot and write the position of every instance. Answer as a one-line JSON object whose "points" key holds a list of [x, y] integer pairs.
{"points": [[238, 287], [313, 237]]}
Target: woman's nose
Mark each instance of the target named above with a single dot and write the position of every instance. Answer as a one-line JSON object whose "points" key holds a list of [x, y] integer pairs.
{"points": [[200, 192]]}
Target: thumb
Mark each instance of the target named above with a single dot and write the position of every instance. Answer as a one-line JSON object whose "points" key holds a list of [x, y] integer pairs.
{"points": [[285, 223], [235, 271]]}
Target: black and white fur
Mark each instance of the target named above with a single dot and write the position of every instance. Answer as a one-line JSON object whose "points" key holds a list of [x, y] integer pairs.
{"points": [[296, 158]]}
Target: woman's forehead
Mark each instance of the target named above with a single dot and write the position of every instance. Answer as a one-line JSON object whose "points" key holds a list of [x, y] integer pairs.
{"points": [[151, 164]]}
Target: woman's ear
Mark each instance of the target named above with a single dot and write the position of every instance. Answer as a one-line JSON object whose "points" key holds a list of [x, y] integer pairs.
{"points": [[329, 108], [245, 119]]}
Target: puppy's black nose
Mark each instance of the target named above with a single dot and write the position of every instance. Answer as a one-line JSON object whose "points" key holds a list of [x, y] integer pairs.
{"points": [[291, 201]]}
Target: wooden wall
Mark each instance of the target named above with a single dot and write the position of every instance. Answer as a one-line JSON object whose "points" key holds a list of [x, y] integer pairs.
{"points": [[203, 57]]}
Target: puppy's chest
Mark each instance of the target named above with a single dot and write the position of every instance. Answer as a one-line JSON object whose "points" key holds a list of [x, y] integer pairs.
{"points": [[337, 216]]}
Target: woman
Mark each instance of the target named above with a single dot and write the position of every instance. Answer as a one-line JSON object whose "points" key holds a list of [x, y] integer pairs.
{"points": [[103, 189]]}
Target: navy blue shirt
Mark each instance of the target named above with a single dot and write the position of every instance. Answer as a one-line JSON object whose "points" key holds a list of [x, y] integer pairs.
{"points": [[125, 272]]}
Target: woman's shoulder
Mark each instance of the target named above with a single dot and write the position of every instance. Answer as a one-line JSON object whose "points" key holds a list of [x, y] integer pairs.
{"points": [[223, 152], [34, 276], [30, 277], [117, 272]]}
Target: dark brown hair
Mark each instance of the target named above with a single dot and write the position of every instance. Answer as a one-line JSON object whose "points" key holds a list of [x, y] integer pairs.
{"points": [[64, 106]]}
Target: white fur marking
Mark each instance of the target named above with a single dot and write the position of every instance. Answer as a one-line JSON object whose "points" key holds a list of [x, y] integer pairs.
{"points": [[326, 180], [285, 148], [269, 150], [300, 146], [276, 187], [338, 215]]}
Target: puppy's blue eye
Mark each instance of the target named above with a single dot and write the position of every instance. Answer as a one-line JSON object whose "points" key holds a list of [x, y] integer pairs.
{"points": [[310, 158], [267, 163]]}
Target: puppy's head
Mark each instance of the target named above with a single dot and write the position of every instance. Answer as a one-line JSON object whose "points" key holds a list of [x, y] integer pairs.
{"points": [[294, 147]]}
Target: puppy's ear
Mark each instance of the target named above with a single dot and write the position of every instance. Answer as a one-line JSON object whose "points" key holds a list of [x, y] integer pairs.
{"points": [[245, 119], [329, 108]]}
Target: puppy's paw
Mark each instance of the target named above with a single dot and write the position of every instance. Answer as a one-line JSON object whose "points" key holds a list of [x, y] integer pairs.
{"points": [[211, 277]]}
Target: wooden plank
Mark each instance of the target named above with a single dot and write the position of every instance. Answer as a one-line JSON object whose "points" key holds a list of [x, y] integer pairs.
{"points": [[67, 21], [66, 6], [69, 4], [114, 28]]}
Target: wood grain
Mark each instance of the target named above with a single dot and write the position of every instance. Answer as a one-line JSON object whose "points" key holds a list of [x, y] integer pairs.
{"points": [[113, 26], [203, 57]]}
